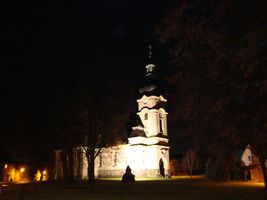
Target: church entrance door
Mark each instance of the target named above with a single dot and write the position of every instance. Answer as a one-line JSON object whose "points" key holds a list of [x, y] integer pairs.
{"points": [[161, 168]]}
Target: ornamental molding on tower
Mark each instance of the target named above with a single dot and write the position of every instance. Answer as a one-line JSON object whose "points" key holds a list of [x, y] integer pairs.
{"points": [[149, 69], [144, 98]]}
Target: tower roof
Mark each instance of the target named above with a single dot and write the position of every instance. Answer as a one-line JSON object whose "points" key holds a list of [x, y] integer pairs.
{"points": [[150, 85]]}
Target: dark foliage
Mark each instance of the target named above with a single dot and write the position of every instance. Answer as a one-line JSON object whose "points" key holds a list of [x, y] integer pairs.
{"points": [[217, 53]]}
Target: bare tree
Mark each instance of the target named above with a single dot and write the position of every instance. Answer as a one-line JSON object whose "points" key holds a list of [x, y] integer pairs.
{"points": [[190, 160], [101, 117]]}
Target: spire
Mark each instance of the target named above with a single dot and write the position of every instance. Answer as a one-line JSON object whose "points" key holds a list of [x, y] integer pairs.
{"points": [[149, 52], [149, 66]]}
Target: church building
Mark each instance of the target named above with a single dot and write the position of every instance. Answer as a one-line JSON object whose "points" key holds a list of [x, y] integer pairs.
{"points": [[147, 149]]}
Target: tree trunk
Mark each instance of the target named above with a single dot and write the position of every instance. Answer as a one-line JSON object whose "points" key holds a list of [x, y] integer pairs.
{"points": [[65, 164], [70, 177], [264, 172], [91, 171], [190, 163], [1, 170]]}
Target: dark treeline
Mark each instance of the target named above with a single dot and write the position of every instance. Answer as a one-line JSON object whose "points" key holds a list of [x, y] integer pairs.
{"points": [[217, 56]]}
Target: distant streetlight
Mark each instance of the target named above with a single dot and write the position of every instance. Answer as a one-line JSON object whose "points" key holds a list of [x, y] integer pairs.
{"points": [[5, 166], [22, 169]]}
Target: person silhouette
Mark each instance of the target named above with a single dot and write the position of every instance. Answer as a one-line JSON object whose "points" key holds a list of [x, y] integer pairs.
{"points": [[128, 177]]}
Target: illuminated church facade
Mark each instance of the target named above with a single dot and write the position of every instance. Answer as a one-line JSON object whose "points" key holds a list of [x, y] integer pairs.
{"points": [[147, 149]]}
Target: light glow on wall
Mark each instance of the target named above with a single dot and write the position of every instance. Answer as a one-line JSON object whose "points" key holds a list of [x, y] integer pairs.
{"points": [[139, 159]]}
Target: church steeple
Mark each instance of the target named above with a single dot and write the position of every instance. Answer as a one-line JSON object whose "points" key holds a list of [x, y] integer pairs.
{"points": [[150, 83], [150, 136], [151, 105], [150, 51]]}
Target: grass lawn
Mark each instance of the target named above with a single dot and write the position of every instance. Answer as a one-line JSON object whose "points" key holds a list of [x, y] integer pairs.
{"points": [[180, 188]]}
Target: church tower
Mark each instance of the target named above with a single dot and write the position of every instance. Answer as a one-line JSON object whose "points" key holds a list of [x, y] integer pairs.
{"points": [[149, 138]]}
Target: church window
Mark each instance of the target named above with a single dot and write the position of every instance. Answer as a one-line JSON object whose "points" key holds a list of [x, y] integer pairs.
{"points": [[100, 160], [160, 123], [115, 159], [146, 116]]}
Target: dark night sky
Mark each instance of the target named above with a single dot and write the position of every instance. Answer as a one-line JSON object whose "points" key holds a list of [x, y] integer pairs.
{"points": [[48, 47]]}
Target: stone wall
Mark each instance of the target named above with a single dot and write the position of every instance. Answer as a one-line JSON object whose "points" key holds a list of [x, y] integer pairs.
{"points": [[110, 173]]}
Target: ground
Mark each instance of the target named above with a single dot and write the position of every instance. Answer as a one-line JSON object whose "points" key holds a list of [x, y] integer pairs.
{"points": [[182, 188]]}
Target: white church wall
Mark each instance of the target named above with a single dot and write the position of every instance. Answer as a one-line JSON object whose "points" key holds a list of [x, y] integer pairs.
{"points": [[143, 160], [113, 162]]}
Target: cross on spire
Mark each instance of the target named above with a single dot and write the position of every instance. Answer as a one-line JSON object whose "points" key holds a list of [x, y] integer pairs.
{"points": [[149, 51], [149, 66]]}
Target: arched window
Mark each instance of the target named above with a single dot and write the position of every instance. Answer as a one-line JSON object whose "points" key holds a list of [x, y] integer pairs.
{"points": [[160, 123], [146, 116]]}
